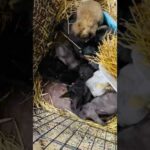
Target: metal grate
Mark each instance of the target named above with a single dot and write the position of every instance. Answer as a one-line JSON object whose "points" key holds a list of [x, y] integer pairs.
{"points": [[52, 131]]}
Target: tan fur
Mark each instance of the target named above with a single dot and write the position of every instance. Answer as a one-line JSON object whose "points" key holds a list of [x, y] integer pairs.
{"points": [[89, 14]]}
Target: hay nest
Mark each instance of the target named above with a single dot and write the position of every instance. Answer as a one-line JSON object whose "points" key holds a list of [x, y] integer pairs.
{"points": [[40, 102], [47, 14], [107, 55], [137, 35]]}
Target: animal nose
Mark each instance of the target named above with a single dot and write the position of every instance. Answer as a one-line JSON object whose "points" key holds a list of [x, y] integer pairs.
{"points": [[90, 35], [84, 36]]}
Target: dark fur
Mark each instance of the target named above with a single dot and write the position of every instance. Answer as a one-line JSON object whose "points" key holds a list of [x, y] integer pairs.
{"points": [[52, 68], [79, 93], [86, 71], [67, 53]]}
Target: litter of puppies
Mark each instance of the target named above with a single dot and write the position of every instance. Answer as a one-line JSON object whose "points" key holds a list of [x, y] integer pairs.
{"points": [[71, 76]]}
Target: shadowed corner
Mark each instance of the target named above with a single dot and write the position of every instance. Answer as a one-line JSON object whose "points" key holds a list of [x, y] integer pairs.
{"points": [[16, 74]]}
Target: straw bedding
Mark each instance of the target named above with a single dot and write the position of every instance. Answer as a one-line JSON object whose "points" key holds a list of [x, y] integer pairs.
{"points": [[107, 55], [47, 14]]}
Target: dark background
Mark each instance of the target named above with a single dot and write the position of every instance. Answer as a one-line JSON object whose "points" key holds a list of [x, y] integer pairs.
{"points": [[135, 136], [16, 83], [16, 42]]}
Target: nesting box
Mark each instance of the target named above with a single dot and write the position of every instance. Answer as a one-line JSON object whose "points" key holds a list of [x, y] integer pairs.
{"points": [[54, 128]]}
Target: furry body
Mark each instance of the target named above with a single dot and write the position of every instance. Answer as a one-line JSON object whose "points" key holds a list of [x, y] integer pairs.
{"points": [[79, 94], [78, 91], [86, 71], [66, 52], [89, 15], [52, 94], [102, 105]]}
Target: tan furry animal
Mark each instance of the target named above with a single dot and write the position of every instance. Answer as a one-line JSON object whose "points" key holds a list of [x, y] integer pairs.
{"points": [[89, 15]]}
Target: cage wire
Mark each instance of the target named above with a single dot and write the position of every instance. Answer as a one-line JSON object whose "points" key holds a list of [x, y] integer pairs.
{"points": [[55, 129], [52, 131]]}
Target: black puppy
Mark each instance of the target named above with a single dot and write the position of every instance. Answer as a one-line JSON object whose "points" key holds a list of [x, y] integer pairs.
{"points": [[51, 68], [79, 93], [86, 71]]}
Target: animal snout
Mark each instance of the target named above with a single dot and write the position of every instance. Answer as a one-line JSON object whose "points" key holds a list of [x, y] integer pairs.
{"points": [[87, 37], [91, 35]]}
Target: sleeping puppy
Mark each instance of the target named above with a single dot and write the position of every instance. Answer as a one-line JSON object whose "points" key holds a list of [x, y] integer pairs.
{"points": [[52, 68], [80, 95], [65, 52], [102, 105], [78, 91], [89, 15], [52, 94]]}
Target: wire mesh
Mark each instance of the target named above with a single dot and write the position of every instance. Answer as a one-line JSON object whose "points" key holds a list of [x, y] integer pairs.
{"points": [[52, 131]]}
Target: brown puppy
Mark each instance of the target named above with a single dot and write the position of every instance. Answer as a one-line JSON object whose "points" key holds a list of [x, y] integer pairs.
{"points": [[89, 15]]}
